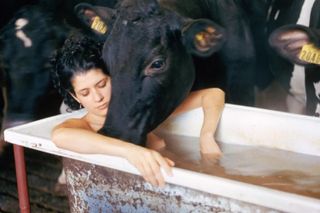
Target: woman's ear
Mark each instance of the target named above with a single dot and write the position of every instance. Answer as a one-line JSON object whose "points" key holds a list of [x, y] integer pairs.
{"points": [[75, 97]]}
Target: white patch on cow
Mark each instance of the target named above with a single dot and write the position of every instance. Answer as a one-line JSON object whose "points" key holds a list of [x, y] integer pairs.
{"points": [[295, 106], [297, 82], [296, 100], [276, 15], [317, 112], [317, 89], [269, 13], [24, 38], [20, 23], [304, 18]]}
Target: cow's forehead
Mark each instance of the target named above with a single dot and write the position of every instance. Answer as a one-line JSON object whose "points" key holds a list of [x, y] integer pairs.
{"points": [[131, 44], [143, 13], [132, 39], [138, 24], [138, 9], [143, 32]]}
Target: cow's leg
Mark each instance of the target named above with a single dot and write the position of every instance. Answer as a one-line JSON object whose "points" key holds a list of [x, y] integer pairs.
{"points": [[296, 98], [2, 143], [28, 98], [295, 105], [16, 112], [2, 105], [313, 91]]}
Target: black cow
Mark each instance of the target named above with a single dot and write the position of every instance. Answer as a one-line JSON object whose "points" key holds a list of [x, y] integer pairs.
{"points": [[28, 41], [257, 12], [146, 52], [1, 94], [26, 45], [295, 24]]}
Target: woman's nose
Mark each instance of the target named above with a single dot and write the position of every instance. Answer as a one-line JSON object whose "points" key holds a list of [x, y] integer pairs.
{"points": [[97, 96]]}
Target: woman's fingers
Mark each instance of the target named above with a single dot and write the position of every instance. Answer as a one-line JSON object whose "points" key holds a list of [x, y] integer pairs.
{"points": [[156, 172], [149, 163], [152, 171], [170, 162], [165, 163]]}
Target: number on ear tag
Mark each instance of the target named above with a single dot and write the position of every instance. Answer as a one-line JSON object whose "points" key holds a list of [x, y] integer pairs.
{"points": [[310, 53], [99, 25]]}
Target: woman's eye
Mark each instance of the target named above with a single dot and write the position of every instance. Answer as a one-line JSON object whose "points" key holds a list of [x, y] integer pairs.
{"points": [[84, 94], [102, 84]]}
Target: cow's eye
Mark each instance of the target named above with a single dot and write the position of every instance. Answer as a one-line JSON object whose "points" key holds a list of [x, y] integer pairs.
{"points": [[158, 64], [155, 67]]}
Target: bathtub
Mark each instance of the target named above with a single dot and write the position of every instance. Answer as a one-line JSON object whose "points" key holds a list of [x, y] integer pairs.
{"points": [[271, 163]]}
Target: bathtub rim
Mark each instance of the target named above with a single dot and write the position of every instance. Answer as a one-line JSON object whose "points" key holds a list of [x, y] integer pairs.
{"points": [[233, 189]]}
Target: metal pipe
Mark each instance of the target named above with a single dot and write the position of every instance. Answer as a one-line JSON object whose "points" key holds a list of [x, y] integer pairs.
{"points": [[21, 176]]}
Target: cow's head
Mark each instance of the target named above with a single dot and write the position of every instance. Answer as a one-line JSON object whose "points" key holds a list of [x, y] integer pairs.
{"points": [[147, 51], [297, 43]]}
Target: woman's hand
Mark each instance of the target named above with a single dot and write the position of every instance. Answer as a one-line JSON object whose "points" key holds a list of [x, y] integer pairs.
{"points": [[148, 162], [208, 144]]}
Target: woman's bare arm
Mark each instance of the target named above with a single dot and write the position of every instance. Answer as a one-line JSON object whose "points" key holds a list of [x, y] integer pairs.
{"points": [[76, 135], [212, 102]]}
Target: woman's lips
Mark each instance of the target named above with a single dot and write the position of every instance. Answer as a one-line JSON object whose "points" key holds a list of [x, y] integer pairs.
{"points": [[103, 106]]}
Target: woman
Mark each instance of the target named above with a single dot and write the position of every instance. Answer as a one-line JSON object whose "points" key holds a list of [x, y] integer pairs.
{"points": [[81, 78]]}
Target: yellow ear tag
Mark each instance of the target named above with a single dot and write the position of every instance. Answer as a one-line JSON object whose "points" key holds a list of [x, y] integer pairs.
{"points": [[310, 53], [99, 25], [200, 37]]}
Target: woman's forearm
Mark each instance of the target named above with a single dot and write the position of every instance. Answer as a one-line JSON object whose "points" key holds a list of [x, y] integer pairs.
{"points": [[88, 142], [147, 161], [212, 105]]}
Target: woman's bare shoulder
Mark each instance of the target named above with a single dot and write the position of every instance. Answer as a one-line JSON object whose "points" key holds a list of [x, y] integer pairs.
{"points": [[74, 123]]}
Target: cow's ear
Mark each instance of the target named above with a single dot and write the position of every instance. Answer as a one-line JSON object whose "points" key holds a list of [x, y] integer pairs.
{"points": [[202, 37], [98, 19], [296, 43]]}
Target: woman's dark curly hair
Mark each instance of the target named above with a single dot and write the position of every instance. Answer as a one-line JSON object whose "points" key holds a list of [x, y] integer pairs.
{"points": [[78, 55]]}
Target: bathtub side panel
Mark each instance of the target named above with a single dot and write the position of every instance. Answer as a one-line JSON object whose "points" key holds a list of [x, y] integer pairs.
{"points": [[92, 188]]}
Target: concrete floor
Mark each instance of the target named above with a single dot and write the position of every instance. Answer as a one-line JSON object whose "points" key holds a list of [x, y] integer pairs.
{"points": [[42, 171]]}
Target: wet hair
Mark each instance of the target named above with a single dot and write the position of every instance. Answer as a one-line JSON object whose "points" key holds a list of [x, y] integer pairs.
{"points": [[78, 55]]}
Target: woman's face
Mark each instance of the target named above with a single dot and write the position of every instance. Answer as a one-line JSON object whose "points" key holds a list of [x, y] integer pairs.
{"points": [[93, 90]]}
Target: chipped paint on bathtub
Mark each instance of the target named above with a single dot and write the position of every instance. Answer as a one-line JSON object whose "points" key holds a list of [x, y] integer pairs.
{"points": [[93, 188]]}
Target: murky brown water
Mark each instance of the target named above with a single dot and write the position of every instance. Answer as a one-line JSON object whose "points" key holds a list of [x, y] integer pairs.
{"points": [[272, 168]]}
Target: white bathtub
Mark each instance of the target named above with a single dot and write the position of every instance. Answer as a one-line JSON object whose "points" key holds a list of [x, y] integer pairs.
{"points": [[271, 163]]}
